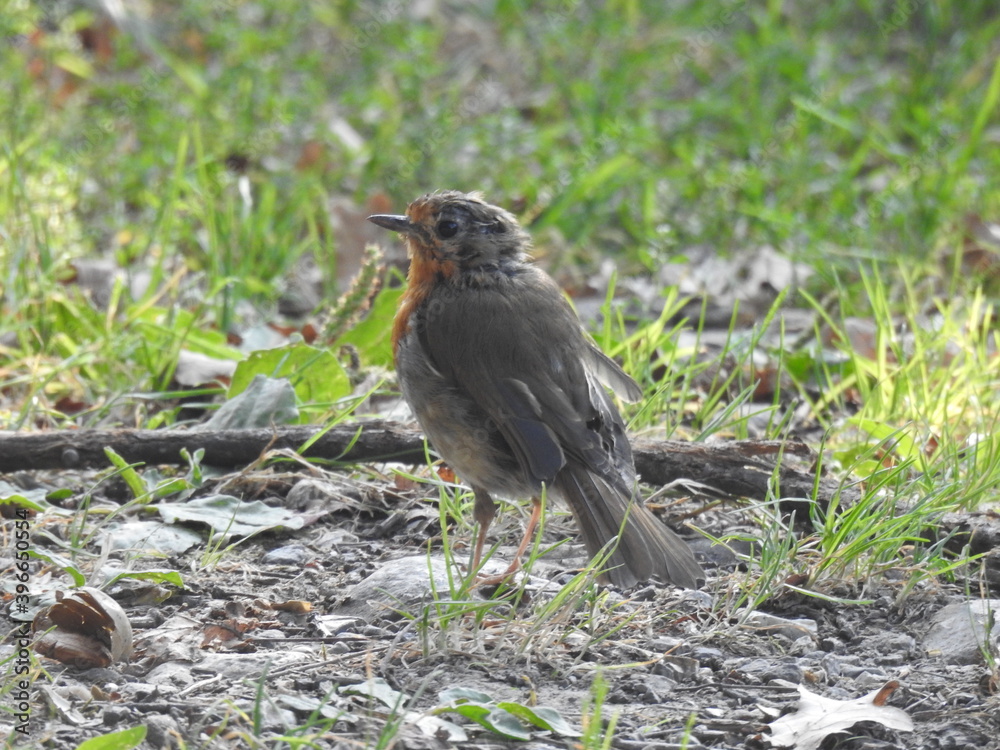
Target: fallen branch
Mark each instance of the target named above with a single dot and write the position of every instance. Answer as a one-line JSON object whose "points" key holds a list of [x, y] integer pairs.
{"points": [[742, 468]]}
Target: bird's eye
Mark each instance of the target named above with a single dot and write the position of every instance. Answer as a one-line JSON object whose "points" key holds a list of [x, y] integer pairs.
{"points": [[447, 228]]}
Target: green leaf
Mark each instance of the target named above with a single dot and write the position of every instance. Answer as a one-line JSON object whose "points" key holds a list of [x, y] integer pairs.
{"points": [[164, 328], [172, 486], [541, 716], [123, 740], [806, 365], [195, 471], [127, 472], [902, 444], [15, 498], [75, 64], [497, 720], [189, 74], [62, 563], [59, 494], [503, 717], [463, 694], [372, 337], [315, 373], [505, 724], [160, 576]]}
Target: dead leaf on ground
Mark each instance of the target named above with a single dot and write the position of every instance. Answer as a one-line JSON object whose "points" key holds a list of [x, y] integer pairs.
{"points": [[86, 628], [196, 370], [817, 717]]}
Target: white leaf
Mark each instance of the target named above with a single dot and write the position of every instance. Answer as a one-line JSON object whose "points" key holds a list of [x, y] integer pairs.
{"points": [[817, 717]]}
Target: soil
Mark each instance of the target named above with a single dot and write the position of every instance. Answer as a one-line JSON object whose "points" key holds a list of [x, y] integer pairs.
{"points": [[277, 630]]}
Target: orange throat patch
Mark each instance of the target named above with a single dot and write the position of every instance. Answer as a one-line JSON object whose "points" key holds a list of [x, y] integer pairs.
{"points": [[426, 271]]}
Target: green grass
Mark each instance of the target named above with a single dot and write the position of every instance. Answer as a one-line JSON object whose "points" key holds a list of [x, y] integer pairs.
{"points": [[857, 138], [842, 134]]}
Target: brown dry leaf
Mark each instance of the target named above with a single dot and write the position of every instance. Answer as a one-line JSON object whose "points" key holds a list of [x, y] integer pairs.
{"points": [[402, 483], [446, 473], [312, 156], [295, 606], [816, 717], [69, 406], [931, 446], [99, 39], [227, 633], [88, 629], [195, 42], [309, 333]]}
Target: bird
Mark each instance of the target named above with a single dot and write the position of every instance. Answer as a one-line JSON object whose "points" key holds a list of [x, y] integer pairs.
{"points": [[512, 393]]}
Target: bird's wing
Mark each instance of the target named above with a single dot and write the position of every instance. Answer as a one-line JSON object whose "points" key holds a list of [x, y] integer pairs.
{"points": [[530, 368], [609, 374]]}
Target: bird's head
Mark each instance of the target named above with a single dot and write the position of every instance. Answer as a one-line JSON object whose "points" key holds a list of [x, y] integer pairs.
{"points": [[458, 232]]}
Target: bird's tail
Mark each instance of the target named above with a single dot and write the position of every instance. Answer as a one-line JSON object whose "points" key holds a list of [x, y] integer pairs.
{"points": [[646, 547]]}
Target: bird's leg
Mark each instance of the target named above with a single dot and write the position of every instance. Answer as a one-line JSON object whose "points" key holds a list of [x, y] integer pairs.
{"points": [[529, 531], [484, 511], [515, 565]]}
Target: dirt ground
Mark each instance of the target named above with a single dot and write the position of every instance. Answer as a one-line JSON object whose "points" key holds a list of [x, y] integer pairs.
{"points": [[290, 625]]}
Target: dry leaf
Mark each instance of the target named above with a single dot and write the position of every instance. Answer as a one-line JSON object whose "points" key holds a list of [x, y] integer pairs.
{"points": [[195, 370], [88, 629], [227, 633], [446, 473], [312, 156], [816, 717]]}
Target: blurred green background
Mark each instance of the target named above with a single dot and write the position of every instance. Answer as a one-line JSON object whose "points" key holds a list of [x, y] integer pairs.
{"points": [[202, 151]]}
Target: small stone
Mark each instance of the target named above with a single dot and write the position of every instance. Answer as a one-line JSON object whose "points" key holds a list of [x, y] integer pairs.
{"points": [[833, 645], [112, 716], [958, 631], [664, 643], [680, 668], [791, 629], [292, 554], [710, 657], [162, 732]]}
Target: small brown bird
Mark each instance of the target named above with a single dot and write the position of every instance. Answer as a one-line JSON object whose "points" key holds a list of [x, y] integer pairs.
{"points": [[496, 366]]}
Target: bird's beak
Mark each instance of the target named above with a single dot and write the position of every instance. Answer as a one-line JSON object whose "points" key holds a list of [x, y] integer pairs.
{"points": [[393, 222]]}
